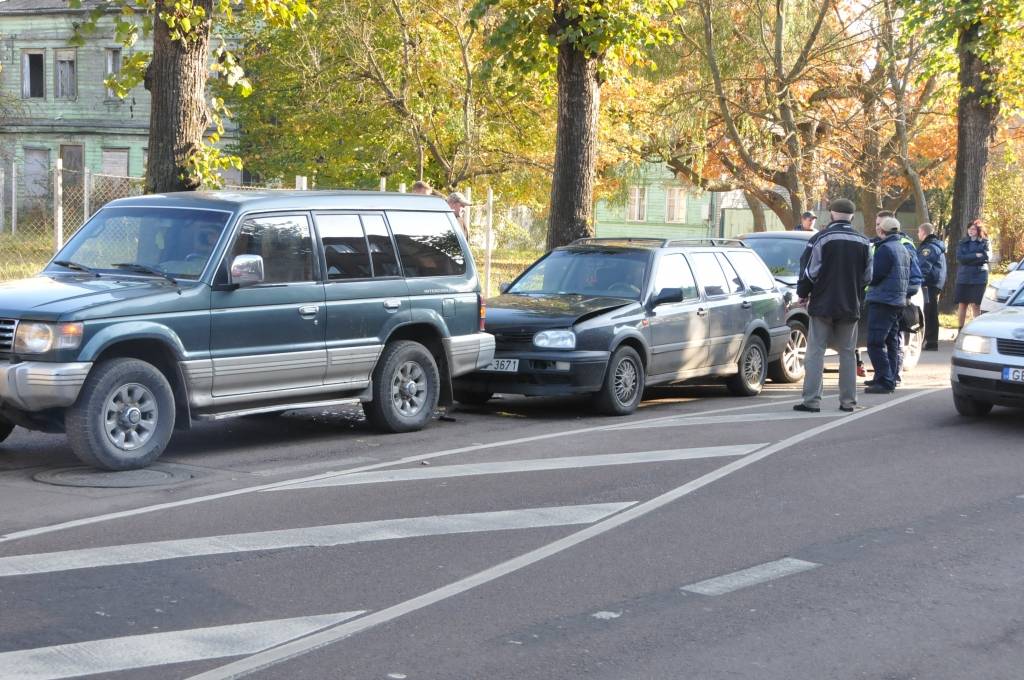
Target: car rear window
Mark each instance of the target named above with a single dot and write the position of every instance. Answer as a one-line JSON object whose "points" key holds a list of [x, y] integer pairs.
{"points": [[427, 244]]}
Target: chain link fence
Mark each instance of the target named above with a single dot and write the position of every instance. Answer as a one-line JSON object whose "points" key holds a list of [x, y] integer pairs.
{"points": [[34, 223]]}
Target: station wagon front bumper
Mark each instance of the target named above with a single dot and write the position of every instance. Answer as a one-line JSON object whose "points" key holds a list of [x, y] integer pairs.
{"points": [[38, 385], [543, 373]]}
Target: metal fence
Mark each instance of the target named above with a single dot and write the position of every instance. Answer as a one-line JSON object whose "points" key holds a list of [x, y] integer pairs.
{"points": [[41, 208]]}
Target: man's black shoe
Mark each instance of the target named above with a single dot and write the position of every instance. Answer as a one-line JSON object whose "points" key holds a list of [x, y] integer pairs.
{"points": [[869, 383], [931, 348], [807, 409], [848, 409], [878, 389]]}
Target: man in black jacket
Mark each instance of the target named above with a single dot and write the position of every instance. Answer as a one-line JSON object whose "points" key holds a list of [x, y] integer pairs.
{"points": [[931, 255], [834, 270]]}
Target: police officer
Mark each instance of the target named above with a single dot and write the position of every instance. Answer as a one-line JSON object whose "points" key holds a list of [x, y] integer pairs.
{"points": [[931, 256]]}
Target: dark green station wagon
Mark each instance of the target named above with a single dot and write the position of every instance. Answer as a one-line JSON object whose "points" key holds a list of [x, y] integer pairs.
{"points": [[169, 308]]}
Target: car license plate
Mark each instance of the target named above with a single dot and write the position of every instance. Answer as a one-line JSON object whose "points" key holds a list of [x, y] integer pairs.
{"points": [[502, 366], [1013, 375]]}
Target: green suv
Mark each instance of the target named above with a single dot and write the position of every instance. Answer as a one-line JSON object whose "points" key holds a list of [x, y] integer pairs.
{"points": [[166, 309]]}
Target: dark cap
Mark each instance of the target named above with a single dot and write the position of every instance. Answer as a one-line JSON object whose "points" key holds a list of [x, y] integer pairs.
{"points": [[842, 205], [809, 214]]}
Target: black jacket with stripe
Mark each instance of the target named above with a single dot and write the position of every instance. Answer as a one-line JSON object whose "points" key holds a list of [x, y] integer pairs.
{"points": [[835, 268]]}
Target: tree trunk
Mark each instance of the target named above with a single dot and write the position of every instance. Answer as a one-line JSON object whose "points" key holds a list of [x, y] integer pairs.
{"points": [[176, 79], [757, 210], [572, 186], [977, 110]]}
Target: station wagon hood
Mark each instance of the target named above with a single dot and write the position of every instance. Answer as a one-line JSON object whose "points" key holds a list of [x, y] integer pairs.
{"points": [[46, 298], [547, 311]]}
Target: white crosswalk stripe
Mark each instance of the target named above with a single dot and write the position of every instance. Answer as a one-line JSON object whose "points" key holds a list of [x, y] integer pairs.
{"points": [[689, 421], [158, 649], [321, 536], [513, 466]]}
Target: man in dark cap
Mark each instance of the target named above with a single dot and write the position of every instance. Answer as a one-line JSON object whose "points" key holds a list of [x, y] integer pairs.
{"points": [[807, 221], [834, 269]]}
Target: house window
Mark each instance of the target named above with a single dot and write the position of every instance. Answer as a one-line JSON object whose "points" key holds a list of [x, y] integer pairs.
{"points": [[636, 210], [113, 67], [675, 204], [115, 162], [65, 75], [33, 84]]}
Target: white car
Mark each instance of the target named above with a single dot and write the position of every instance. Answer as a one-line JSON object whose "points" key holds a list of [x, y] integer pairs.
{"points": [[988, 362], [998, 293]]}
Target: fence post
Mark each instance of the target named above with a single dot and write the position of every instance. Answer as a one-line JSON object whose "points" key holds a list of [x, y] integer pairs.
{"points": [[14, 198], [467, 211], [489, 242], [3, 190], [86, 190], [401, 188], [58, 205], [300, 182], [383, 183]]}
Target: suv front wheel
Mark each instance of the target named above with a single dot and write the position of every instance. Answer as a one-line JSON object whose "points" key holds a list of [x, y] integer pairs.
{"points": [[6, 429], [406, 386], [752, 364], [623, 383], [124, 416]]}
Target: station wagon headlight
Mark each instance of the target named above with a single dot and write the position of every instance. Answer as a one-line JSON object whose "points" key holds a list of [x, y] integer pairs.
{"points": [[555, 340], [39, 338], [974, 344]]}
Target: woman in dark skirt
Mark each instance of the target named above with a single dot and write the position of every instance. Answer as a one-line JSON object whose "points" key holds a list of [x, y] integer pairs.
{"points": [[973, 254]]}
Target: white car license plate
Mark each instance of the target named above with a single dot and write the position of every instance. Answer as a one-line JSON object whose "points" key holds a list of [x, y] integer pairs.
{"points": [[1013, 375], [502, 366]]}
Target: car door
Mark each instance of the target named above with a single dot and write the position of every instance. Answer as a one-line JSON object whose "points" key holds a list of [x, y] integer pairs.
{"points": [[721, 305], [740, 314], [678, 329], [268, 338], [366, 295]]}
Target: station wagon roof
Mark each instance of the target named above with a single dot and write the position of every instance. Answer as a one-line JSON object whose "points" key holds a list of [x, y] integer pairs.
{"points": [[274, 199]]}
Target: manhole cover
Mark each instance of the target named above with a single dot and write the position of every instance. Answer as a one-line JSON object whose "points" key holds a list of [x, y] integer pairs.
{"points": [[155, 475]]}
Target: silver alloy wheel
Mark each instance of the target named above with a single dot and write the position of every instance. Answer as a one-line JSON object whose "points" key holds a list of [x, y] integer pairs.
{"points": [[753, 366], [409, 389], [796, 351], [626, 374], [130, 416]]}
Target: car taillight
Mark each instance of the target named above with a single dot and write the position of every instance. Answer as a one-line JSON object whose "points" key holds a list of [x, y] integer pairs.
{"points": [[482, 304]]}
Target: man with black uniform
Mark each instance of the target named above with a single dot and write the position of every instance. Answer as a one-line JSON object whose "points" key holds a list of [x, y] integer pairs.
{"points": [[931, 256]]}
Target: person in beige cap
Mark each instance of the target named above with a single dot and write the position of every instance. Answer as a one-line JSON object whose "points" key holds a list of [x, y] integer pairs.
{"points": [[421, 187], [458, 202]]}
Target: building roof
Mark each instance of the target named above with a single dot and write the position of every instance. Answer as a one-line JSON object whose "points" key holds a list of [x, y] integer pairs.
{"points": [[44, 6]]}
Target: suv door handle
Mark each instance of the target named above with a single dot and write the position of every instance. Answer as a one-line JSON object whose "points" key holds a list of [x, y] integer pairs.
{"points": [[392, 304], [746, 304], [309, 310], [701, 311]]}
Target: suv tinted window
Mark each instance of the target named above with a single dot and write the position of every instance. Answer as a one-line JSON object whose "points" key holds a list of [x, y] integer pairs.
{"points": [[427, 244], [735, 282], [382, 250], [345, 247], [755, 273], [709, 274], [284, 243], [674, 272]]}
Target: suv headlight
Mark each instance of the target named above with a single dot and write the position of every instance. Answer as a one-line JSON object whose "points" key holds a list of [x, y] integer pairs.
{"points": [[974, 344], [39, 338], [555, 340]]}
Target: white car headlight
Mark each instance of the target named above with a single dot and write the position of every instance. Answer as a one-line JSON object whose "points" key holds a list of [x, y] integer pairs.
{"points": [[974, 344], [555, 340], [39, 338]]}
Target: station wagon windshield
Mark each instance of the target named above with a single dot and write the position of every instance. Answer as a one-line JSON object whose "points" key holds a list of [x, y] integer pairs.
{"points": [[592, 273], [169, 241]]}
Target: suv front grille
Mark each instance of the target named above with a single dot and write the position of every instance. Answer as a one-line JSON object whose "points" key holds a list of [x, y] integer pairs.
{"points": [[7, 327], [1011, 348]]}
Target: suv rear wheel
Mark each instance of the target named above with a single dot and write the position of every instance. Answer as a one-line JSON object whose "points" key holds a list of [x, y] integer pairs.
{"points": [[5, 429], [124, 416], [790, 366], [623, 383], [752, 364], [406, 386]]}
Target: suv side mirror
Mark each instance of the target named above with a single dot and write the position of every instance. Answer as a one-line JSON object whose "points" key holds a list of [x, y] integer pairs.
{"points": [[668, 295], [247, 270]]}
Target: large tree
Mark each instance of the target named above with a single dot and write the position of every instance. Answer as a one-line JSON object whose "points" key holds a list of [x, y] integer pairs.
{"points": [[580, 43], [185, 122]]}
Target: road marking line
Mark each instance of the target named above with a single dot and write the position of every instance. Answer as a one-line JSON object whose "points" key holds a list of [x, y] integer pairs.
{"points": [[157, 649], [723, 420], [308, 537], [290, 469], [720, 585], [329, 636], [531, 465], [121, 514]]}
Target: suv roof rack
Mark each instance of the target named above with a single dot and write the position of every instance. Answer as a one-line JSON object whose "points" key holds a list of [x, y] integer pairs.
{"points": [[734, 242], [620, 239]]}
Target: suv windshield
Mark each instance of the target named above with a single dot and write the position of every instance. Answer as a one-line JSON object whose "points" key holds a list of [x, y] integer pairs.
{"points": [[590, 272], [174, 241], [782, 255]]}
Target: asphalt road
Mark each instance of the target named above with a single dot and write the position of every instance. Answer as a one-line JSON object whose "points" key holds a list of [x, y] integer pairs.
{"points": [[704, 537]]}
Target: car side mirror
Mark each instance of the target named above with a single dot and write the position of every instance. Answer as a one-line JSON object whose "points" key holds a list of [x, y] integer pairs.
{"points": [[787, 297], [667, 296], [504, 286], [247, 270]]}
